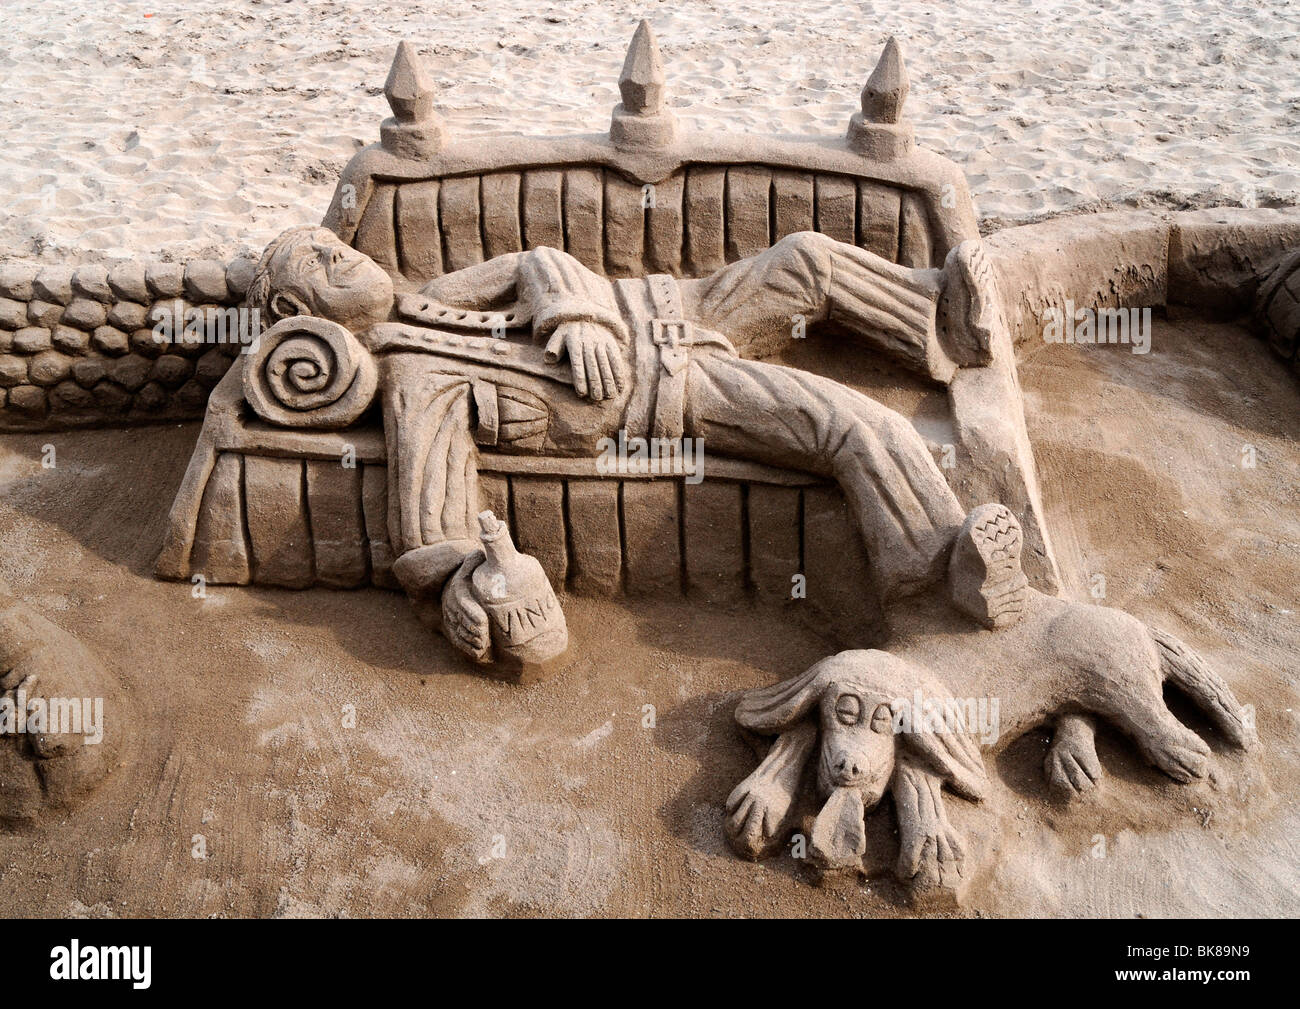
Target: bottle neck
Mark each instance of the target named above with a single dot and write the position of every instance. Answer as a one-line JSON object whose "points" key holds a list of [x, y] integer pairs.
{"points": [[500, 549]]}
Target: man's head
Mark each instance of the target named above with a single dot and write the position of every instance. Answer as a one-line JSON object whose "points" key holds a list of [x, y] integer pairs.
{"points": [[309, 271]]}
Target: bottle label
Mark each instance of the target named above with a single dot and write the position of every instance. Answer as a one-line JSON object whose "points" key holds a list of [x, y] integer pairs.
{"points": [[521, 620]]}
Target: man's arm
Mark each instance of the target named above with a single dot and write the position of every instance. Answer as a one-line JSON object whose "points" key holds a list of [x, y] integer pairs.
{"points": [[479, 287], [570, 308]]}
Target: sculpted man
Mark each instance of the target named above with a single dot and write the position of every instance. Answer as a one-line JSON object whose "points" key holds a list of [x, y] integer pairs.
{"points": [[534, 353]]}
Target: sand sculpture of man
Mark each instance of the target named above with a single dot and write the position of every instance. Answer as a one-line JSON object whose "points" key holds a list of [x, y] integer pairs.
{"points": [[477, 356]]}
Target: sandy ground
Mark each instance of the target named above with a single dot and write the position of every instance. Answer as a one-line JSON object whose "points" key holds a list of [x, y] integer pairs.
{"points": [[237, 701], [198, 128]]}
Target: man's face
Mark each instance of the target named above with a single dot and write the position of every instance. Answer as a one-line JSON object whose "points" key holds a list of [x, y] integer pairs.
{"points": [[328, 279]]}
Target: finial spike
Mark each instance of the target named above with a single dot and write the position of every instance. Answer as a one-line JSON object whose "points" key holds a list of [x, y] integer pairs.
{"points": [[408, 88], [887, 87], [642, 81]]}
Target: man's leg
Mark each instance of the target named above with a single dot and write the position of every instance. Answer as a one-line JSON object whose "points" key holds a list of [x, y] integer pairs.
{"points": [[754, 302], [931, 320], [907, 513], [432, 472]]}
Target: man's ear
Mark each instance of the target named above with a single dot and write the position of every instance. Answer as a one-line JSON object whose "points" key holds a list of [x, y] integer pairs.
{"points": [[286, 304]]}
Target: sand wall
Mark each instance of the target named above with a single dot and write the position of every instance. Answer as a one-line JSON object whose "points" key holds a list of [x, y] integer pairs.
{"points": [[1209, 260], [92, 347]]}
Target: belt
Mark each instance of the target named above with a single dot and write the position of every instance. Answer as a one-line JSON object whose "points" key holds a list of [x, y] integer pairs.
{"points": [[511, 355], [674, 336]]}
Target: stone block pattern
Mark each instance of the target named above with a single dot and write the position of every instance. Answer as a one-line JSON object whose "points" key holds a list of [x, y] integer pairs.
{"points": [[695, 221], [78, 348], [295, 523]]}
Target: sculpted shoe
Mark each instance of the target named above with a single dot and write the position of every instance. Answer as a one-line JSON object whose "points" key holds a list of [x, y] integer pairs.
{"points": [[984, 574], [968, 307]]}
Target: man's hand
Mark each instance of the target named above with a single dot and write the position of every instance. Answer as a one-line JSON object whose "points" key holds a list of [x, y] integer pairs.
{"points": [[464, 621], [595, 356]]}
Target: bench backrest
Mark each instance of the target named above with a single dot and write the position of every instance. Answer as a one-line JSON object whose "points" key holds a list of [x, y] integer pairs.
{"points": [[646, 197]]}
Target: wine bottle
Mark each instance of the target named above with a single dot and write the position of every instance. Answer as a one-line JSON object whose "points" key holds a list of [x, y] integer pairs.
{"points": [[526, 623]]}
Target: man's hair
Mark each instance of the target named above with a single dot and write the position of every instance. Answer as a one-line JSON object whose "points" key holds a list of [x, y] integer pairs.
{"points": [[260, 291]]}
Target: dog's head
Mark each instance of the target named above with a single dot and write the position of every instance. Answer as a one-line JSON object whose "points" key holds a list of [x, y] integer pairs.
{"points": [[862, 704], [858, 700]]}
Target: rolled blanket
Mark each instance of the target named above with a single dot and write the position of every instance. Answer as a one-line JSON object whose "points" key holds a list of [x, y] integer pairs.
{"points": [[309, 372]]}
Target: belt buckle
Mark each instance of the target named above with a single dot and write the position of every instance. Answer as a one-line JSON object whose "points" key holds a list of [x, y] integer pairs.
{"points": [[671, 332], [671, 336]]}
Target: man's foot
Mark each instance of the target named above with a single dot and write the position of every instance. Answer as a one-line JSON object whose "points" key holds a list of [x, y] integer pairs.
{"points": [[968, 307], [984, 574]]}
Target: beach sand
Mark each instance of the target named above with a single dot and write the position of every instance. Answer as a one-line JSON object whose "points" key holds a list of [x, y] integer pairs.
{"points": [[198, 129]]}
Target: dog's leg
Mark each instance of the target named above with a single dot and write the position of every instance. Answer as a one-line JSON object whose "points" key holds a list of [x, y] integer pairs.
{"points": [[1163, 739], [1072, 767], [759, 808], [930, 851]]}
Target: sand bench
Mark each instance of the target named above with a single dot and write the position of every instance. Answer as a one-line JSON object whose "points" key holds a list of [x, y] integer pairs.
{"points": [[647, 197]]}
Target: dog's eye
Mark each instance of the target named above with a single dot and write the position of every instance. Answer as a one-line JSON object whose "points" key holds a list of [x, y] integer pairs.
{"points": [[848, 709], [882, 719]]}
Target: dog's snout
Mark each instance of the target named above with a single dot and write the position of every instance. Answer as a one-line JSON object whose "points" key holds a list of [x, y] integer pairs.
{"points": [[848, 767]]}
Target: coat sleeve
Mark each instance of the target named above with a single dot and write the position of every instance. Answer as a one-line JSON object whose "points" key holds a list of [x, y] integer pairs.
{"points": [[543, 287], [432, 469]]}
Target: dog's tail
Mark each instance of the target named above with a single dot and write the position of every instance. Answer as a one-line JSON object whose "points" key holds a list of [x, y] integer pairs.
{"points": [[1192, 674]]}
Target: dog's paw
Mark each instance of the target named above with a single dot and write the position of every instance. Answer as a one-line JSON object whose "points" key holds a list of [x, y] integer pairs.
{"points": [[937, 863], [932, 859], [1181, 754], [61, 749], [1071, 766], [758, 810]]}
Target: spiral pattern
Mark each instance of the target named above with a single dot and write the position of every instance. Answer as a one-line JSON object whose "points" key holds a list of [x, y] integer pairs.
{"points": [[309, 373]]}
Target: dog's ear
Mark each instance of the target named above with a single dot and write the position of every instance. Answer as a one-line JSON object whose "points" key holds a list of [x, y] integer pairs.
{"points": [[953, 753], [956, 756], [778, 708]]}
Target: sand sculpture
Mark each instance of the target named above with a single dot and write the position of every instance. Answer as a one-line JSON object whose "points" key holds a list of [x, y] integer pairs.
{"points": [[862, 723], [687, 258], [480, 312], [1277, 306], [580, 360], [55, 744], [450, 357]]}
